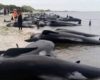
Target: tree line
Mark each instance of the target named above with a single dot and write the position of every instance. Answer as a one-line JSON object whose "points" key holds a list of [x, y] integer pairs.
{"points": [[24, 8]]}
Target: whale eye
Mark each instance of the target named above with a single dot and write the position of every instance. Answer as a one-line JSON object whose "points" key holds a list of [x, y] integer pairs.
{"points": [[78, 61]]}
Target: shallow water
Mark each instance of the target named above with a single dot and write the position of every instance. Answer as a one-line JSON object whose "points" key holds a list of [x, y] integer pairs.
{"points": [[88, 54]]}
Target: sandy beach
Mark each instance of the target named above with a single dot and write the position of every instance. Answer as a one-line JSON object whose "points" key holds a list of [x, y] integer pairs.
{"points": [[10, 36]]}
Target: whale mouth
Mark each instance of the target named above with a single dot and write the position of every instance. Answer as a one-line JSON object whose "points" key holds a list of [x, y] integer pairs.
{"points": [[28, 40], [32, 39]]}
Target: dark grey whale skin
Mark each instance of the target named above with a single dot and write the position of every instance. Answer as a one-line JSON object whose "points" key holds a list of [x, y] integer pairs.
{"points": [[76, 32], [13, 52], [31, 66], [61, 36], [33, 48]]}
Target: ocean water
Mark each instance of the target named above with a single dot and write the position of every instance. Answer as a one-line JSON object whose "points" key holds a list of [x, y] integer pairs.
{"points": [[88, 54]]}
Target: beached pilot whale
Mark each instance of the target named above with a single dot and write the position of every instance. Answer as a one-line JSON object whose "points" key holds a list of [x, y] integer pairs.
{"points": [[32, 66], [62, 36], [72, 19], [41, 47], [76, 32], [44, 46], [26, 24], [56, 23]]}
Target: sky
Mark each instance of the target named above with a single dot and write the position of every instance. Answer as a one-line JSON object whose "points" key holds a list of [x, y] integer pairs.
{"points": [[70, 5]]}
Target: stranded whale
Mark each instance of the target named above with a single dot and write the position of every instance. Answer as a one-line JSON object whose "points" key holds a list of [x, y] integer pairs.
{"points": [[32, 66], [41, 47], [64, 36]]}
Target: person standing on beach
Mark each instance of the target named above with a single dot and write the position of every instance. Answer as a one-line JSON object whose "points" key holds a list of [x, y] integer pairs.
{"points": [[5, 11], [19, 19]]}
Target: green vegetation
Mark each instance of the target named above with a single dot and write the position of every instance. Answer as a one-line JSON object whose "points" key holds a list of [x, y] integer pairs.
{"points": [[27, 8], [1, 6], [24, 8]]}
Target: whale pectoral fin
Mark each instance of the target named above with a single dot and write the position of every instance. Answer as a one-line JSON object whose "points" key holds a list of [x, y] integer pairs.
{"points": [[46, 32], [76, 76], [29, 40], [42, 53], [68, 75]]}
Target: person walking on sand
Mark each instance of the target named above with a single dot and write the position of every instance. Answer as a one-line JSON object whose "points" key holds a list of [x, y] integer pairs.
{"points": [[19, 19]]}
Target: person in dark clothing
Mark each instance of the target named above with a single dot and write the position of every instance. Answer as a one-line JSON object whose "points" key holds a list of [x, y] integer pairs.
{"points": [[20, 20], [5, 11]]}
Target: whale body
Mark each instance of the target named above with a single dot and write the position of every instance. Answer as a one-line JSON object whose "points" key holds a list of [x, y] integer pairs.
{"points": [[34, 66]]}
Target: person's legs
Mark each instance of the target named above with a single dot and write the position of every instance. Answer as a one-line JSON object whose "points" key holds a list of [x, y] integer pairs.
{"points": [[20, 25]]}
